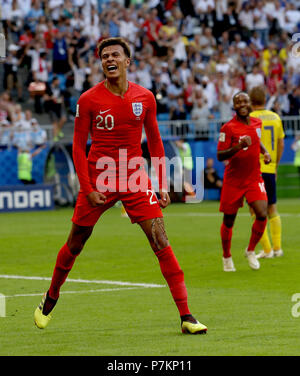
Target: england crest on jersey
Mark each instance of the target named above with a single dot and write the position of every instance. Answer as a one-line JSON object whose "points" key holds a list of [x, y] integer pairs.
{"points": [[137, 108]]}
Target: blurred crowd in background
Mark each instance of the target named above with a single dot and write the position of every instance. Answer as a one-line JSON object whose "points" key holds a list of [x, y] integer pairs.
{"points": [[194, 55]]}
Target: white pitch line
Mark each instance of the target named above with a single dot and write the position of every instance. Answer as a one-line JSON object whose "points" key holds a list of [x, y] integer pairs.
{"points": [[74, 292], [104, 282]]}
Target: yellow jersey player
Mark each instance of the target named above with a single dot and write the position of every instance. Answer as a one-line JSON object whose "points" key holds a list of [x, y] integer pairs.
{"points": [[272, 136]]}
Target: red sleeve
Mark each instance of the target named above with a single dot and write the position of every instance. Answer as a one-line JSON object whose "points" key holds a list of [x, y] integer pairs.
{"points": [[155, 144], [81, 132], [224, 138]]}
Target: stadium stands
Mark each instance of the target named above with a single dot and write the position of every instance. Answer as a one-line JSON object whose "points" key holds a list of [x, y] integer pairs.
{"points": [[201, 51]]}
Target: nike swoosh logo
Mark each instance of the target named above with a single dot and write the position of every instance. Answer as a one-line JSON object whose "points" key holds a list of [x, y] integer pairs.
{"points": [[103, 112]]}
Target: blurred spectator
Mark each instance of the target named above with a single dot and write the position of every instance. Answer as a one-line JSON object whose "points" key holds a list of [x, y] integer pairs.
{"points": [[38, 135], [54, 106], [165, 75], [209, 92], [34, 14], [174, 91], [40, 69], [294, 99], [49, 35], [211, 178], [246, 18], [128, 27], [226, 91], [6, 133], [24, 160], [188, 92], [60, 54], [21, 137], [207, 44], [159, 90], [152, 26], [178, 112], [281, 98], [184, 72], [11, 68], [201, 115], [187, 49], [292, 17], [21, 121], [261, 24], [7, 107], [255, 78], [179, 48], [143, 75]]}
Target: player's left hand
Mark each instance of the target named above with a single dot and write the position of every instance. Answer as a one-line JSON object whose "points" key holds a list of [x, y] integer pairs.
{"points": [[267, 158], [164, 200]]}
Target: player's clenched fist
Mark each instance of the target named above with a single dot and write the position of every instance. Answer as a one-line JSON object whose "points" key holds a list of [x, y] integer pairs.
{"points": [[164, 199], [267, 158], [245, 141], [96, 198]]}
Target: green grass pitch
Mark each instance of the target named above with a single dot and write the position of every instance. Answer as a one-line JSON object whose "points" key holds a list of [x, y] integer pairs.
{"points": [[247, 312]]}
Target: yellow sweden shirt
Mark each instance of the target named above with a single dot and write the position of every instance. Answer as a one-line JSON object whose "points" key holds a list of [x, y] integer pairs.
{"points": [[271, 132]]}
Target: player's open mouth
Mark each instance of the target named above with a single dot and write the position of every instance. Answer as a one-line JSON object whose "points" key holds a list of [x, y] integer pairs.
{"points": [[112, 68]]}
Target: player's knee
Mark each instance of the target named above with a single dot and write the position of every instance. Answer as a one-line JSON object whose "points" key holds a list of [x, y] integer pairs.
{"points": [[78, 238], [228, 220], [262, 214]]}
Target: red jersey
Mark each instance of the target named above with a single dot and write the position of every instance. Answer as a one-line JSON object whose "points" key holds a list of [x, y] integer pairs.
{"points": [[243, 168], [114, 123]]}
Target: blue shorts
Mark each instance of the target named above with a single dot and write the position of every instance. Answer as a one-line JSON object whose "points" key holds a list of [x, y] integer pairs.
{"points": [[270, 185]]}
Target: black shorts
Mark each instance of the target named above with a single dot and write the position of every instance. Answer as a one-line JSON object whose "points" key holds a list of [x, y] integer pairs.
{"points": [[270, 185]]}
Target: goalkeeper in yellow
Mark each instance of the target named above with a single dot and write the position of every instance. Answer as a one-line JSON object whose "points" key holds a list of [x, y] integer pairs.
{"points": [[272, 136]]}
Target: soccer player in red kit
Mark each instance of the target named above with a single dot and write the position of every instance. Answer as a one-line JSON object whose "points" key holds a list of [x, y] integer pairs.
{"points": [[239, 144], [113, 112]]}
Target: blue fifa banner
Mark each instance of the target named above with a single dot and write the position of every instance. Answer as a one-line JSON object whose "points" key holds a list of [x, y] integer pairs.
{"points": [[20, 198]]}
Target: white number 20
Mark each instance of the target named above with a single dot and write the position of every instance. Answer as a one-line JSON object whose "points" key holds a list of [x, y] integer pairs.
{"points": [[109, 122]]}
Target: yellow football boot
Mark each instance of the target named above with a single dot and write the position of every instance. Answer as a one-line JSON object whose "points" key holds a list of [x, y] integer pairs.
{"points": [[41, 320], [192, 326]]}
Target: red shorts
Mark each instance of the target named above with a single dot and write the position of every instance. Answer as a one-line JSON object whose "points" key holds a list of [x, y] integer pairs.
{"points": [[232, 197], [139, 206]]}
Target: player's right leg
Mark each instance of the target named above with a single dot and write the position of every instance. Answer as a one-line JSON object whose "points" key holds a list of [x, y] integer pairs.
{"points": [[155, 231], [226, 236], [84, 218], [64, 263], [230, 202]]}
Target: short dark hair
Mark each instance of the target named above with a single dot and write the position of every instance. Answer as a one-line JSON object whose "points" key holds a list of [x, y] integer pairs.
{"points": [[258, 96], [238, 93], [112, 42]]}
